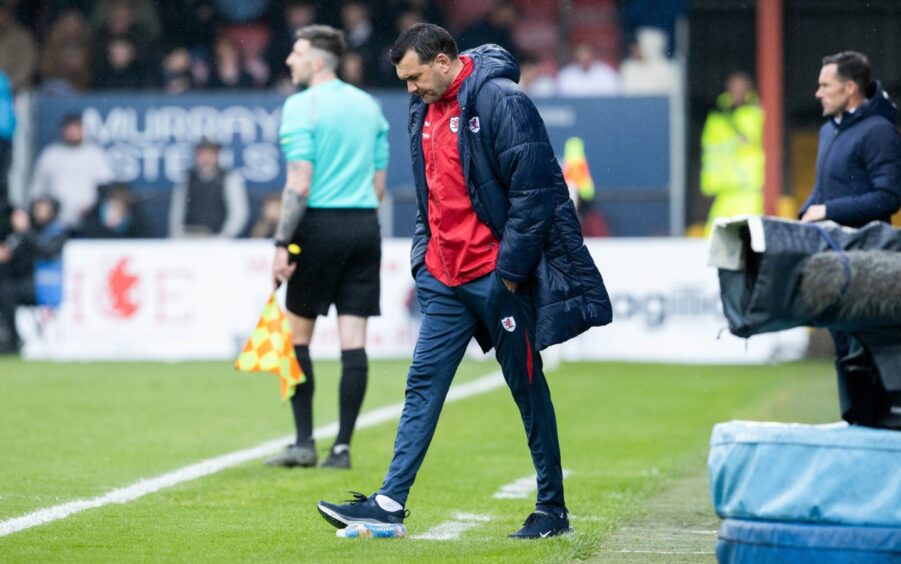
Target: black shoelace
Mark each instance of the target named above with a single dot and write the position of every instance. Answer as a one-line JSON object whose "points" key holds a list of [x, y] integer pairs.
{"points": [[360, 498], [531, 519]]}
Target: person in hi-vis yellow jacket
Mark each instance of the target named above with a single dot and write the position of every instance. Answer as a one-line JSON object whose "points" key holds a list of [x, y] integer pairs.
{"points": [[732, 166]]}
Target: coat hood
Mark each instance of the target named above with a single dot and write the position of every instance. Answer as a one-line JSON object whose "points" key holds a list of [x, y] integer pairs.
{"points": [[489, 61], [877, 103]]}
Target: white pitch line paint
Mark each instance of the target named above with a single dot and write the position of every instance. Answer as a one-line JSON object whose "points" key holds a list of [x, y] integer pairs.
{"points": [[627, 551], [681, 531], [472, 517], [521, 488], [451, 530], [213, 465]]}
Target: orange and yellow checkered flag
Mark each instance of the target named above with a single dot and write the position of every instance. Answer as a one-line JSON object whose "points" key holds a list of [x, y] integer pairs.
{"points": [[270, 349]]}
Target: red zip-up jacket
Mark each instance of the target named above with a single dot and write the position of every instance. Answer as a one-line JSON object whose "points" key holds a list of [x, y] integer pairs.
{"points": [[461, 248]]}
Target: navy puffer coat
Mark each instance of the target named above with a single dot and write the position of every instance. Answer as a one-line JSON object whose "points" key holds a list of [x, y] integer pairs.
{"points": [[859, 164], [517, 190]]}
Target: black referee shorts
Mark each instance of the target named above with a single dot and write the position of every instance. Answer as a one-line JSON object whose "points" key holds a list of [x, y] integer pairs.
{"points": [[339, 262]]}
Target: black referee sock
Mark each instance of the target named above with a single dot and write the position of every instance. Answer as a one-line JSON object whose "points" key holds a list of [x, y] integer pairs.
{"points": [[354, 375], [302, 400]]}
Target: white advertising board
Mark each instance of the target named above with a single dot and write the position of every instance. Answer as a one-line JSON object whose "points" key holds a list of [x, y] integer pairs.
{"points": [[176, 300], [666, 308]]}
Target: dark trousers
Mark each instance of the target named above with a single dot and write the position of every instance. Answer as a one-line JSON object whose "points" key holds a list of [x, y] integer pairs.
{"points": [[450, 317], [13, 293]]}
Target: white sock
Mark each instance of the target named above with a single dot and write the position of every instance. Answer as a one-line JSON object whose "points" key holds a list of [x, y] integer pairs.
{"points": [[338, 449], [387, 503]]}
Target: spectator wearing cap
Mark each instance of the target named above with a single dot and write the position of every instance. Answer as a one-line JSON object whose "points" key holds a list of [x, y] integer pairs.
{"points": [[212, 201]]}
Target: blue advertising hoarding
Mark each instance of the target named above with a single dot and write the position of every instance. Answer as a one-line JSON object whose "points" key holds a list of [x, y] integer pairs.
{"points": [[150, 138]]}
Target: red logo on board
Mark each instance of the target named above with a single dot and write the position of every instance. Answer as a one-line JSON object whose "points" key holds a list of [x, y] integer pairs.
{"points": [[121, 286]]}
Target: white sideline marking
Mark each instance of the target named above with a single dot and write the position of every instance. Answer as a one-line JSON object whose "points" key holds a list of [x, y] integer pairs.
{"points": [[522, 488], [669, 530], [451, 530], [674, 552], [212, 465]]}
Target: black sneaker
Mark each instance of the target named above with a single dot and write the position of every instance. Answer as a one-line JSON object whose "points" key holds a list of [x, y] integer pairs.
{"points": [[361, 509], [543, 524], [303, 456], [336, 459]]}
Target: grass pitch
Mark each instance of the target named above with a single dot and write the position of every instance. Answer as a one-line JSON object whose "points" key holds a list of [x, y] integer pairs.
{"points": [[627, 431]]}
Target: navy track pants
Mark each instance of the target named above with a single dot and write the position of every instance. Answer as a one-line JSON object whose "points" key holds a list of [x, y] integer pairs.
{"points": [[449, 320]]}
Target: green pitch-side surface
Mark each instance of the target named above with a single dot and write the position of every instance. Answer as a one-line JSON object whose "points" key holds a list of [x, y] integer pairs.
{"points": [[627, 431]]}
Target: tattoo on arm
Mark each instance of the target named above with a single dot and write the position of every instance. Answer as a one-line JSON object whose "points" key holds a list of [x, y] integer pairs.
{"points": [[293, 207]]}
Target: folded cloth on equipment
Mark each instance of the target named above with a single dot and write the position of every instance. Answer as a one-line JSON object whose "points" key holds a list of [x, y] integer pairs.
{"points": [[765, 278], [753, 542], [832, 473]]}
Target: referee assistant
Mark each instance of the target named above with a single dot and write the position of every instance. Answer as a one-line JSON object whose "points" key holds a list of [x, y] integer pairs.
{"points": [[335, 142]]}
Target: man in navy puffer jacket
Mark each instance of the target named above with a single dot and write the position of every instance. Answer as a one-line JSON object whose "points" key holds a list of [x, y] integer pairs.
{"points": [[497, 254], [858, 180], [858, 176]]}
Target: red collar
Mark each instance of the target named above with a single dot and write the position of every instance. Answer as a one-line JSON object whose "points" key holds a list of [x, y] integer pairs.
{"points": [[455, 85]]}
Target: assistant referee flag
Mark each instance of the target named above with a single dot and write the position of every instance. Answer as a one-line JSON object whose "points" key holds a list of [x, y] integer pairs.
{"points": [[270, 349]]}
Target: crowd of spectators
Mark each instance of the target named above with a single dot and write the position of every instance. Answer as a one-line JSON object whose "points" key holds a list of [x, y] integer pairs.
{"points": [[66, 46], [63, 47]]}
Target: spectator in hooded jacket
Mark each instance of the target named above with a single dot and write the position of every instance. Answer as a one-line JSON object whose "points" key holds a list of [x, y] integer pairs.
{"points": [[858, 176], [858, 173], [497, 255]]}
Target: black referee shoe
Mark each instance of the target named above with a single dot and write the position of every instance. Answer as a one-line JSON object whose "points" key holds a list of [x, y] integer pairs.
{"points": [[338, 458], [543, 524]]}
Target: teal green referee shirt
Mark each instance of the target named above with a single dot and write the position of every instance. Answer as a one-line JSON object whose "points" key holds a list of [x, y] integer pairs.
{"points": [[342, 131]]}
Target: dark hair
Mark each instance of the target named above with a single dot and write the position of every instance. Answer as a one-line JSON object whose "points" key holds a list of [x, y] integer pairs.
{"points": [[118, 191], [325, 38], [528, 59], [207, 143], [851, 65], [426, 40], [69, 119], [53, 202]]}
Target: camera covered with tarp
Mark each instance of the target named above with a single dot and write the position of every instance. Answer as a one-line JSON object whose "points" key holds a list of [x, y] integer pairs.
{"points": [[777, 274]]}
